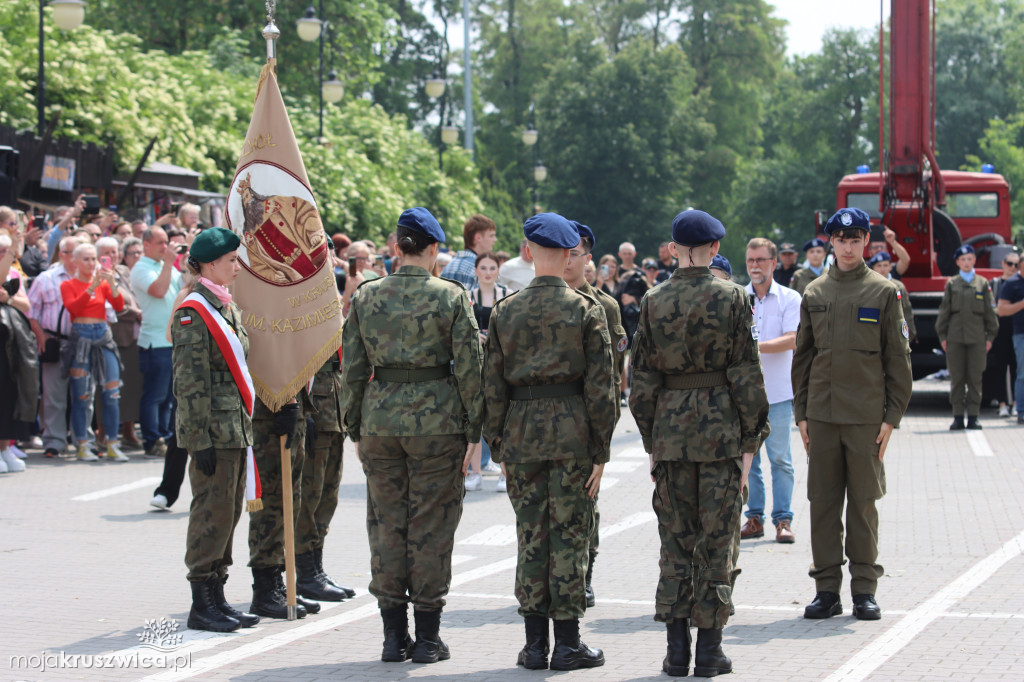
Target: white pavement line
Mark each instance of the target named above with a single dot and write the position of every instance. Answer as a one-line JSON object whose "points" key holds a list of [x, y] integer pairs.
{"points": [[631, 521], [483, 571], [608, 482], [631, 453], [100, 494], [495, 536], [997, 616], [871, 657], [619, 467], [979, 444], [461, 559]]}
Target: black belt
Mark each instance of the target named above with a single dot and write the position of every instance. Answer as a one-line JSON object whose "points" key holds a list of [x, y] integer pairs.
{"points": [[547, 391], [690, 381], [411, 376]]}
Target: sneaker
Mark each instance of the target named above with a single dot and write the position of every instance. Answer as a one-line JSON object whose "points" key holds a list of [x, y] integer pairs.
{"points": [[474, 482], [159, 501], [491, 468], [3, 466], [1004, 410], [159, 449], [114, 454], [18, 452], [52, 452], [85, 454], [14, 465], [35, 443], [502, 486]]}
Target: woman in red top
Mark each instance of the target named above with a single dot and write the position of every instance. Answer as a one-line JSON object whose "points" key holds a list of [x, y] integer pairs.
{"points": [[92, 349]]}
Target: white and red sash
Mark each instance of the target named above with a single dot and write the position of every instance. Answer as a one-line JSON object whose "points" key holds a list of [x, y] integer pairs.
{"points": [[231, 348]]}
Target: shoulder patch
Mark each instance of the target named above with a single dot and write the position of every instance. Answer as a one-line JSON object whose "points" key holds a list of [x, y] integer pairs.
{"points": [[905, 330], [621, 346], [185, 319], [899, 295]]}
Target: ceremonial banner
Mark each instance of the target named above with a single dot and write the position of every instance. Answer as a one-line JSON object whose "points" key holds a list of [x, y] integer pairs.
{"points": [[286, 289]]}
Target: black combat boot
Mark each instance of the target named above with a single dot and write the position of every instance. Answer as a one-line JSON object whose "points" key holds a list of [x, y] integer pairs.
{"points": [[590, 574], [428, 647], [311, 584], [709, 659], [247, 620], [311, 606], [204, 614], [397, 642], [973, 423], [570, 652], [267, 599], [534, 655], [319, 554], [958, 424], [677, 659]]}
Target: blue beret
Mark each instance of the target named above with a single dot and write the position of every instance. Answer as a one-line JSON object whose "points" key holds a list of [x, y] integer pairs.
{"points": [[878, 258], [551, 230], [963, 251], [848, 219], [585, 232], [814, 243], [213, 243], [722, 263], [696, 228], [420, 220]]}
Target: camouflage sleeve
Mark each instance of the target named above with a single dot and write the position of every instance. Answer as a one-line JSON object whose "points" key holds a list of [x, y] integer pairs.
{"points": [[468, 366], [643, 398], [899, 378], [355, 371], [991, 319], [193, 385], [945, 309], [803, 356], [495, 390], [746, 381], [599, 394]]}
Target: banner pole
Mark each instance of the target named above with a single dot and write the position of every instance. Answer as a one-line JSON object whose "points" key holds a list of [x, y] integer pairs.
{"points": [[289, 528]]}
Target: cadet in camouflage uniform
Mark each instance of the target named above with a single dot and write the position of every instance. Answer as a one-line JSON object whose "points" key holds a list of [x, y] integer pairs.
{"points": [[321, 481], [881, 263], [700, 405], [213, 424], [413, 423], [266, 527], [815, 252], [851, 384], [550, 396], [579, 256], [967, 325]]}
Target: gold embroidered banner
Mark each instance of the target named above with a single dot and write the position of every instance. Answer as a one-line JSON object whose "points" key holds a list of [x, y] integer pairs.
{"points": [[286, 288]]}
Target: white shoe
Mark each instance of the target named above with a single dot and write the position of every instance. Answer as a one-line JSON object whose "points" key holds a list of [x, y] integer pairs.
{"points": [[1004, 410], [18, 452], [491, 468], [158, 501], [114, 454], [3, 466], [501, 487], [14, 465], [474, 482], [85, 454], [34, 442]]}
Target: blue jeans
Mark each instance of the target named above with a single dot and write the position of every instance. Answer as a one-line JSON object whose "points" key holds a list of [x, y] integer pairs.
{"points": [[1018, 386], [156, 406], [780, 415], [82, 387]]}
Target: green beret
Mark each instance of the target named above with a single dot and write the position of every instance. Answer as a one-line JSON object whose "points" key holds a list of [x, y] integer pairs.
{"points": [[212, 243]]}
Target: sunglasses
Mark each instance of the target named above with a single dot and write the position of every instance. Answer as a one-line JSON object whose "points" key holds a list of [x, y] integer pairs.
{"points": [[1011, 263]]}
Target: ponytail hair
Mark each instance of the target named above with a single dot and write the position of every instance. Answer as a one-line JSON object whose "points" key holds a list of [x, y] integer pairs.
{"points": [[410, 242]]}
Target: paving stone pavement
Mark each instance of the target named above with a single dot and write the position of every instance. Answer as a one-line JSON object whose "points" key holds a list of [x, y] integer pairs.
{"points": [[83, 577]]}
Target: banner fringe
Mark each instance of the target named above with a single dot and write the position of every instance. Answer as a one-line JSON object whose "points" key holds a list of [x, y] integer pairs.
{"points": [[275, 401], [254, 505]]}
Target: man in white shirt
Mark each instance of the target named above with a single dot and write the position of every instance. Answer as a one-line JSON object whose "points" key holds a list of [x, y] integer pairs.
{"points": [[776, 316], [516, 273]]}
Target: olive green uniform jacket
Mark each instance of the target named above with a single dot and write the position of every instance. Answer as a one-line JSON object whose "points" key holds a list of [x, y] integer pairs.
{"points": [[966, 314], [801, 278]]}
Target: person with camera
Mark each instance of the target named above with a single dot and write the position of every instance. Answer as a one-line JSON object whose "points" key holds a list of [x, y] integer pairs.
{"points": [[155, 282], [91, 353]]}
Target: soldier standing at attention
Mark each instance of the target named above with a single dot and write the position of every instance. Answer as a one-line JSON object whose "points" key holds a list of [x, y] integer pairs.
{"points": [[967, 325], [550, 398], [815, 252], [851, 385], [416, 336], [579, 256], [700, 405], [321, 480], [213, 424]]}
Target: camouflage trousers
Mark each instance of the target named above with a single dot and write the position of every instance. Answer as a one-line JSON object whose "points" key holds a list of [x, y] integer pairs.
{"points": [[595, 532], [266, 527], [217, 505], [321, 481], [414, 492], [698, 508], [553, 525]]}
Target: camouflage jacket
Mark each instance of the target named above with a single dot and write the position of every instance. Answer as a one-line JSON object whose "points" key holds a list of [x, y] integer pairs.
{"points": [[210, 411], [411, 320], [966, 314], [852, 358], [326, 396], [693, 323], [548, 333]]}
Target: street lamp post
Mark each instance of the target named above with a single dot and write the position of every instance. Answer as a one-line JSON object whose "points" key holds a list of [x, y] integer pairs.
{"points": [[540, 171], [68, 15], [311, 28]]}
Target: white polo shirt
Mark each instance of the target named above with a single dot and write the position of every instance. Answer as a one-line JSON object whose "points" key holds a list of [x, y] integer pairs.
{"points": [[776, 314]]}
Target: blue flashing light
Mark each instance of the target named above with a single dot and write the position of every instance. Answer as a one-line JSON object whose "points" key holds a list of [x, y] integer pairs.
{"points": [[988, 168], [863, 168]]}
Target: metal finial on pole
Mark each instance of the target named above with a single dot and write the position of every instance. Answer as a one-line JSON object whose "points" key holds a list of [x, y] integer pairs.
{"points": [[271, 32]]}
